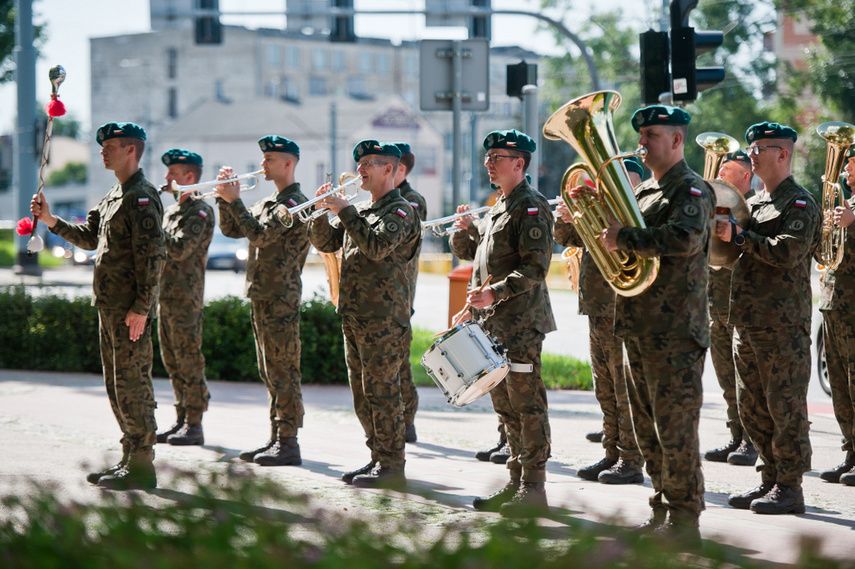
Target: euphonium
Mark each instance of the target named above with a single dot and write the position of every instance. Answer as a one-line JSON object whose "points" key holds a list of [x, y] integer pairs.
{"points": [[586, 124], [838, 137]]}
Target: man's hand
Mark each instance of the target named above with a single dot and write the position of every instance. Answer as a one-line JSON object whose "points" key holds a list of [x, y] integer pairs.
{"points": [[609, 235], [564, 212], [136, 324], [39, 208], [483, 299], [465, 221], [725, 230], [843, 215], [582, 190], [231, 191], [334, 203]]}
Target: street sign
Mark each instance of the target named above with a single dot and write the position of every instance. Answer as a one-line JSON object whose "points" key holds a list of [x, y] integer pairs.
{"points": [[437, 78]]}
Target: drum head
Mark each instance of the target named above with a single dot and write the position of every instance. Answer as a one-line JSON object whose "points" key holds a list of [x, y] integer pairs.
{"points": [[724, 254], [488, 380]]}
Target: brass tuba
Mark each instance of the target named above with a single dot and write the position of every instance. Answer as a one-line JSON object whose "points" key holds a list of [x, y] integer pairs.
{"points": [[586, 125], [729, 200], [838, 137]]}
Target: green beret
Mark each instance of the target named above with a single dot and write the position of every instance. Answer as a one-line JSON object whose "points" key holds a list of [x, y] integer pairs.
{"points": [[367, 147], [659, 114], [180, 156], [510, 139], [738, 155], [769, 130], [633, 164], [119, 130], [403, 147], [273, 143]]}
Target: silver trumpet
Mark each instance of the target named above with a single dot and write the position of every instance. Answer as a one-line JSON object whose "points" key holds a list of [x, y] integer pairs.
{"points": [[435, 225], [302, 212], [178, 191]]}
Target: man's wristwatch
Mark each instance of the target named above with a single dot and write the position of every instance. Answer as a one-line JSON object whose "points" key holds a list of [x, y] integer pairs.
{"points": [[740, 239]]}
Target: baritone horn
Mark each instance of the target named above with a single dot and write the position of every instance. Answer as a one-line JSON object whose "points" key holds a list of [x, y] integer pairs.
{"points": [[838, 137], [729, 201], [302, 212], [178, 191], [586, 125]]}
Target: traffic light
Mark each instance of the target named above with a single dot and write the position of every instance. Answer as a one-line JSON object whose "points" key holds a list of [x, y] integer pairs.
{"points": [[687, 80], [655, 77], [342, 26], [479, 26], [519, 75], [209, 31]]}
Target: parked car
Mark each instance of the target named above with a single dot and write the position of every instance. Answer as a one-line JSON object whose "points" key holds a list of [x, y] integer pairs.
{"points": [[226, 253], [821, 366]]}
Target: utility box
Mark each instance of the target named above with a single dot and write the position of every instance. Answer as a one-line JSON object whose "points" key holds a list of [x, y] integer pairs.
{"points": [[458, 282]]}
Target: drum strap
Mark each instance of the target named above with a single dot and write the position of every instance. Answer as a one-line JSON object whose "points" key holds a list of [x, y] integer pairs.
{"points": [[521, 368]]}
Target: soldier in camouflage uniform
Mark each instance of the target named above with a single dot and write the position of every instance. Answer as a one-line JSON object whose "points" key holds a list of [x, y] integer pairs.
{"points": [[417, 201], [735, 170], [125, 228], [188, 226], [379, 239], [837, 303], [665, 329], [770, 309], [274, 286], [513, 246], [622, 463]]}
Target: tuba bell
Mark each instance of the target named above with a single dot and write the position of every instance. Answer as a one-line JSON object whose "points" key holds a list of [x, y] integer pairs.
{"points": [[729, 201], [586, 125], [838, 137]]}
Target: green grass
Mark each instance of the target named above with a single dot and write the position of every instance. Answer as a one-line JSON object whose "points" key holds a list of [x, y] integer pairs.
{"points": [[9, 256], [559, 372]]}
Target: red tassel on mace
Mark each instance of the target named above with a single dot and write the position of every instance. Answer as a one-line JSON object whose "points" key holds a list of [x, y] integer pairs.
{"points": [[25, 226], [55, 108]]}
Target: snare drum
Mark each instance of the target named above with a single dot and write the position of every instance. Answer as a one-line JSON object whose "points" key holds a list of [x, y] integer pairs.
{"points": [[466, 363]]}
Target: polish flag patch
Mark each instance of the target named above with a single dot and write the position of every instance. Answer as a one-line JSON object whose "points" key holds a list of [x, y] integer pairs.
{"points": [[142, 201], [291, 202], [414, 205], [800, 203], [401, 212], [696, 192], [533, 210], [664, 117], [203, 214]]}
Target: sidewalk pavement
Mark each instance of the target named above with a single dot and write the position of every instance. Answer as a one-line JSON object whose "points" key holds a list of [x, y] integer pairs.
{"points": [[54, 427]]}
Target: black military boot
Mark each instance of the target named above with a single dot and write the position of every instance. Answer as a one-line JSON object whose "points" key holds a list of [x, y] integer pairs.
{"points": [[502, 455], [283, 452], [138, 473], [848, 478], [528, 502], [621, 473], [720, 454], [743, 501], [656, 520], [249, 455], [494, 501], [181, 413], [595, 437], [679, 537], [94, 477], [781, 500], [593, 471], [381, 477], [348, 477], [484, 454], [834, 474], [410, 433], [745, 455], [189, 434]]}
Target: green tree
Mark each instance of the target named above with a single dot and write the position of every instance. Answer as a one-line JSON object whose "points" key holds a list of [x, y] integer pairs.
{"points": [[73, 172], [66, 125], [7, 39]]}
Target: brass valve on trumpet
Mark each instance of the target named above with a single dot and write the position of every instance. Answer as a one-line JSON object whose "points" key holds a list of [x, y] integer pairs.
{"points": [[303, 212]]}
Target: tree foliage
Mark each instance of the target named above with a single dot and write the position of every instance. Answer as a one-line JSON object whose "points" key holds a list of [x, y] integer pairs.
{"points": [[7, 39], [71, 173]]}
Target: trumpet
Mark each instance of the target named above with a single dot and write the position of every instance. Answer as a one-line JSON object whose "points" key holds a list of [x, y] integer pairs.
{"points": [[286, 216], [178, 191], [435, 224]]}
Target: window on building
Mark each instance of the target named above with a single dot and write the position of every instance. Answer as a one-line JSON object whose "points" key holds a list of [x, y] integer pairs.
{"points": [[173, 102], [356, 86], [273, 58], [339, 60], [319, 60], [292, 57], [318, 86], [411, 66], [271, 88], [365, 63], [292, 90], [382, 64], [171, 63]]}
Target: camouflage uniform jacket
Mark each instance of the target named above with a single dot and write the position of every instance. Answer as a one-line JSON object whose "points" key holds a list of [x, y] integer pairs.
{"points": [[596, 297], [514, 242], [719, 291], [277, 253], [838, 285], [125, 228], [677, 210], [420, 206], [378, 241], [771, 280], [187, 228]]}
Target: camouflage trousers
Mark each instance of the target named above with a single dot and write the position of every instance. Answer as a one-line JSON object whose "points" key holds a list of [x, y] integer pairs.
{"points": [[276, 329], [520, 401], [772, 375], [665, 395], [179, 327], [127, 377], [721, 354], [408, 385], [373, 349], [610, 390], [839, 337]]}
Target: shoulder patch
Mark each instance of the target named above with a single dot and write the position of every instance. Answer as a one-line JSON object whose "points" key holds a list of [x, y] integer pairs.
{"points": [[392, 227], [148, 223], [414, 205], [196, 227], [142, 201], [535, 233], [800, 203], [401, 212], [797, 225], [690, 210], [202, 213], [696, 192], [291, 202], [533, 210]]}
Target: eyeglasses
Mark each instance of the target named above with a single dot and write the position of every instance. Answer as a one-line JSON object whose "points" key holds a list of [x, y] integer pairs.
{"points": [[760, 148], [365, 163], [494, 158]]}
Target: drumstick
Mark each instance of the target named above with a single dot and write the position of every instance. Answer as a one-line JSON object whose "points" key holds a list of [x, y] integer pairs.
{"points": [[466, 307]]}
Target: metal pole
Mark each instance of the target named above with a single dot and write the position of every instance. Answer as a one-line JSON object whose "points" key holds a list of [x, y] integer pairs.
{"points": [[333, 146], [475, 159], [26, 154], [665, 20], [532, 128], [456, 109]]}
